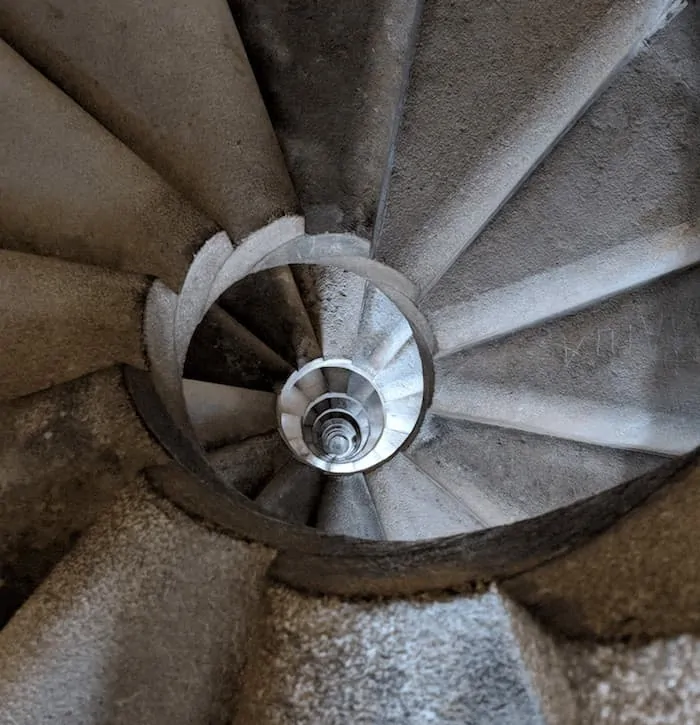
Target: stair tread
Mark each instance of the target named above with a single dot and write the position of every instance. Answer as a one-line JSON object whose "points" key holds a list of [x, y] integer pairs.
{"points": [[448, 659], [334, 300], [591, 202], [350, 62], [626, 371], [174, 85], [293, 493], [506, 475], [465, 148], [412, 505], [62, 320], [347, 509], [146, 593], [223, 351], [71, 189], [248, 465], [270, 306], [64, 454], [224, 413]]}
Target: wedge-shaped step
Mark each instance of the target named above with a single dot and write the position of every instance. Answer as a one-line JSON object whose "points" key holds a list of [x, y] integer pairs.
{"points": [[385, 332], [506, 475], [223, 351], [412, 505], [465, 148], [223, 413], [351, 62], [248, 465], [347, 509], [70, 188], [475, 659], [576, 419], [269, 305], [656, 543], [293, 493], [621, 375], [334, 299], [64, 454], [582, 228], [61, 320], [564, 289], [147, 620], [174, 84]]}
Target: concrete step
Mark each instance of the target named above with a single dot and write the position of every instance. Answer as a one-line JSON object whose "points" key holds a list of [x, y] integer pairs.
{"points": [[149, 619], [223, 351], [471, 659], [293, 493], [611, 209], [412, 505], [636, 682], [506, 475], [384, 332], [223, 414], [61, 320], [270, 306], [64, 454], [621, 375], [643, 567], [174, 84], [71, 189], [333, 77], [334, 300], [492, 90], [348, 509], [250, 464]]}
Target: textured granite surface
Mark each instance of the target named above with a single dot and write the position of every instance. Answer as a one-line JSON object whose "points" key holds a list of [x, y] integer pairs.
{"points": [[637, 684], [62, 320], [639, 578], [147, 621], [450, 660], [64, 455]]}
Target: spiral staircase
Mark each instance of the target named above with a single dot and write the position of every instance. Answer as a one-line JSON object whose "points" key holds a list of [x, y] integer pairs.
{"points": [[350, 366]]}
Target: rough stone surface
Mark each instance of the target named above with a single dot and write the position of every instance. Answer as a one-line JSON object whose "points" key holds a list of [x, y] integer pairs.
{"points": [[446, 660], [64, 454], [333, 76], [69, 188], [506, 475], [639, 578], [223, 351], [147, 621], [172, 81], [269, 305], [334, 299], [654, 683], [62, 320], [492, 88], [628, 169], [247, 466]]}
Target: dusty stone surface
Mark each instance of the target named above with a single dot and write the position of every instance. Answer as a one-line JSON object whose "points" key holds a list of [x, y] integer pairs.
{"points": [[441, 660], [655, 683], [464, 148], [349, 63], [64, 455], [62, 320], [71, 189], [147, 621], [639, 578], [173, 83]]}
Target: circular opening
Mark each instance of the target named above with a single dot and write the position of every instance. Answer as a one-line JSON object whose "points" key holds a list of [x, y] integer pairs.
{"points": [[333, 416]]}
